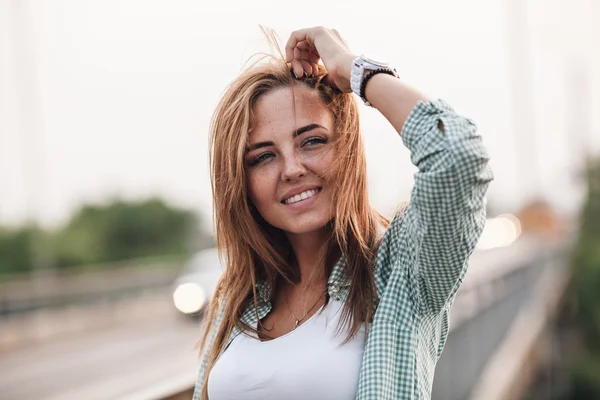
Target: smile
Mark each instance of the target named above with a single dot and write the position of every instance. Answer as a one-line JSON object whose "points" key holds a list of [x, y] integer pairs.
{"points": [[302, 196]]}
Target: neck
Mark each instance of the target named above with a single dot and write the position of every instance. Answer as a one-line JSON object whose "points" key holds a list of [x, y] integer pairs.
{"points": [[309, 249]]}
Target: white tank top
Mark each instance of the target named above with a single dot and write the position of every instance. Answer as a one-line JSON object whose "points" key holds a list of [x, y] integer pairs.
{"points": [[309, 362]]}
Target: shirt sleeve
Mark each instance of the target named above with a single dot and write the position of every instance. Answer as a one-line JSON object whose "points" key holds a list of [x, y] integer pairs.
{"points": [[447, 209]]}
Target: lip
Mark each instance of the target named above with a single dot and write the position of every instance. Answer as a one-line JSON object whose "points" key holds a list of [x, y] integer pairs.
{"points": [[298, 190]]}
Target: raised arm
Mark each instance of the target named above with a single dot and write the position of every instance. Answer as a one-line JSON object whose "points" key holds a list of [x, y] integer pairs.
{"points": [[446, 212], [436, 234]]}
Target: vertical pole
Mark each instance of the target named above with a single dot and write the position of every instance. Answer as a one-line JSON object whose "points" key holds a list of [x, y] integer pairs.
{"points": [[30, 129], [522, 100]]}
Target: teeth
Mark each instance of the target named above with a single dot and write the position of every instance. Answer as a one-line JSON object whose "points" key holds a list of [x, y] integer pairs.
{"points": [[304, 195]]}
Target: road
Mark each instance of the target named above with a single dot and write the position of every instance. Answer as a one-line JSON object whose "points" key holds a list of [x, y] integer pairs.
{"points": [[108, 364]]}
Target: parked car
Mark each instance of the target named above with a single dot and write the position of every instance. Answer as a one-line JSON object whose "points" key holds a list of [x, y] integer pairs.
{"points": [[194, 286]]}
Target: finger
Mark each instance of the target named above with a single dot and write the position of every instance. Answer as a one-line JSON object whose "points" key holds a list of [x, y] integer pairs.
{"points": [[296, 37], [307, 67], [297, 68], [297, 54], [315, 68], [305, 54]]}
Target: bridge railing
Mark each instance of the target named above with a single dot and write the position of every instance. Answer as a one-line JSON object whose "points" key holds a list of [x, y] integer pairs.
{"points": [[492, 300]]}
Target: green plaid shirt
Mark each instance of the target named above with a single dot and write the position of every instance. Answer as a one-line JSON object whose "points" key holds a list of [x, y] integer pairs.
{"points": [[422, 259]]}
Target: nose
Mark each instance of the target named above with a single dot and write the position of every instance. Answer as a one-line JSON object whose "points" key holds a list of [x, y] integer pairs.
{"points": [[293, 168]]}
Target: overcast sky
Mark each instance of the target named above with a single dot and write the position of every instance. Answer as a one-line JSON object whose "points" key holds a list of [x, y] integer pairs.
{"points": [[100, 99]]}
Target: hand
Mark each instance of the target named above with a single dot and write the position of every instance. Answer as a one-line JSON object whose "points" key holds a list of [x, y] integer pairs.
{"points": [[306, 47]]}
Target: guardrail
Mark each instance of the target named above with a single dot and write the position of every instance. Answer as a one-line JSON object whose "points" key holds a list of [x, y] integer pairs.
{"points": [[484, 317], [39, 326], [87, 285], [527, 345]]}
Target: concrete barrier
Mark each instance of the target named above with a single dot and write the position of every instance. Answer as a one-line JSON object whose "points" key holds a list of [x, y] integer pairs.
{"points": [[86, 284], [47, 324]]}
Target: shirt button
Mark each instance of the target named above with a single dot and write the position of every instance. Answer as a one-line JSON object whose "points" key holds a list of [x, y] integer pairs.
{"points": [[335, 289]]}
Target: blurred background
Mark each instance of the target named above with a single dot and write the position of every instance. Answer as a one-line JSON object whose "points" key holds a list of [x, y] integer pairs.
{"points": [[106, 258]]}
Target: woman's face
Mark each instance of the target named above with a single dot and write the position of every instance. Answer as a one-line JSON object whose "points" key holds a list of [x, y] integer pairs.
{"points": [[290, 150]]}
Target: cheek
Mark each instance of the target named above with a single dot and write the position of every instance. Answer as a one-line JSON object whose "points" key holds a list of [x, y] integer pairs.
{"points": [[261, 188], [321, 162]]}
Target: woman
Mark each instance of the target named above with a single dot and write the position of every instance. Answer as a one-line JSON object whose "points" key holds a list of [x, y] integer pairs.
{"points": [[323, 298]]}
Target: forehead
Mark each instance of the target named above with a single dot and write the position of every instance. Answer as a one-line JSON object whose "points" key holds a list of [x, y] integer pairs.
{"points": [[281, 111]]}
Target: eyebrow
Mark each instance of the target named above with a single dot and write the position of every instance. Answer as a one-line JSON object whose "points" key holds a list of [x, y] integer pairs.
{"points": [[295, 134]]}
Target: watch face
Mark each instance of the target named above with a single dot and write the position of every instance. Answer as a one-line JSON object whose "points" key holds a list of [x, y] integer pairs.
{"points": [[372, 61]]}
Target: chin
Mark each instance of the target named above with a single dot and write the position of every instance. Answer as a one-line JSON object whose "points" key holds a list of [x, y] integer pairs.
{"points": [[306, 225]]}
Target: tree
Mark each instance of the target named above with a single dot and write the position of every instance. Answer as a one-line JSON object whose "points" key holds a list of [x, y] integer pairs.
{"points": [[585, 378], [587, 259], [104, 233], [16, 249], [123, 230]]}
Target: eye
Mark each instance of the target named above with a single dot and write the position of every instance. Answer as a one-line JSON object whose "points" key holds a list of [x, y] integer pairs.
{"points": [[262, 157], [314, 141]]}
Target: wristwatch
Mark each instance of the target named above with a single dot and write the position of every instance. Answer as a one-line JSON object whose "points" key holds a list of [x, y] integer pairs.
{"points": [[361, 67]]}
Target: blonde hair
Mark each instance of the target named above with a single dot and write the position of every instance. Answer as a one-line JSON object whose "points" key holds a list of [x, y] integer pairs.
{"points": [[256, 251]]}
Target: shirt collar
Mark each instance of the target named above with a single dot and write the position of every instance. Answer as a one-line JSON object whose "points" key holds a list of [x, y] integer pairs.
{"points": [[264, 291], [337, 285], [338, 274]]}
